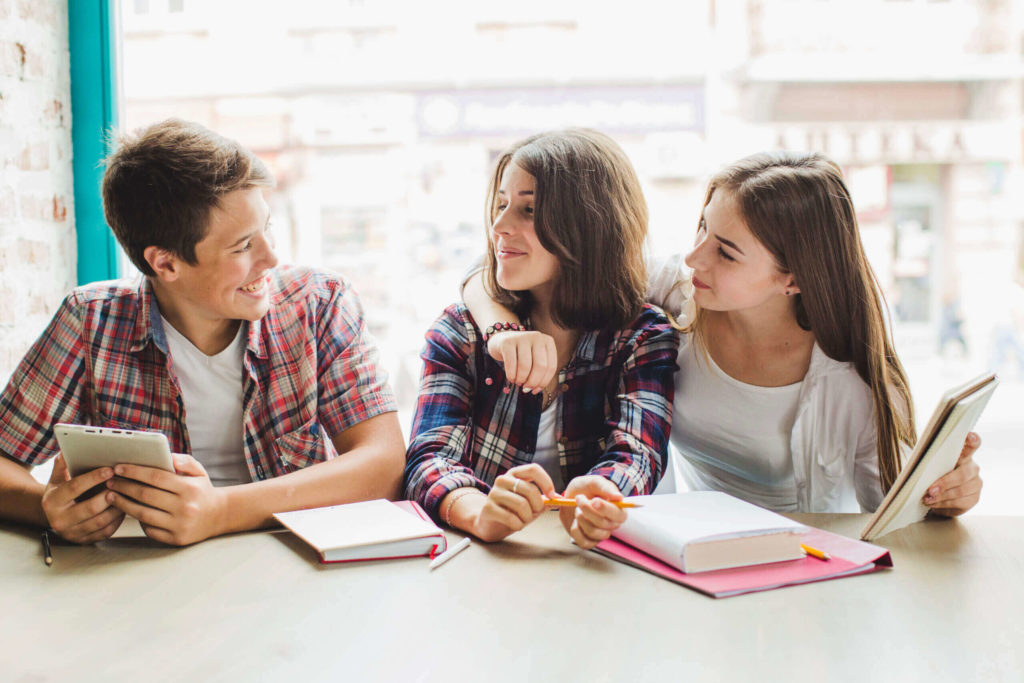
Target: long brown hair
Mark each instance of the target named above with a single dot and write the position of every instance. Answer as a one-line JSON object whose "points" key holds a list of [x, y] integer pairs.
{"points": [[589, 211], [799, 208]]}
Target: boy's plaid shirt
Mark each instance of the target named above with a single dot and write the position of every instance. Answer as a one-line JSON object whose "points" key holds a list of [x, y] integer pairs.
{"points": [[614, 410], [311, 370]]}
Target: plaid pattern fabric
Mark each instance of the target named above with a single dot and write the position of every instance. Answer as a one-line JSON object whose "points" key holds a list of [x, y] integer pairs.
{"points": [[311, 371], [613, 419]]}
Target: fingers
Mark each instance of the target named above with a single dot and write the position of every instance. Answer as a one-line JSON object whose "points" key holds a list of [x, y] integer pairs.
{"points": [[593, 486], [588, 524], [536, 476], [145, 514], [140, 493], [100, 526], [73, 523], [66, 493], [59, 473], [971, 444], [958, 491], [544, 366], [530, 358], [150, 476], [187, 465]]}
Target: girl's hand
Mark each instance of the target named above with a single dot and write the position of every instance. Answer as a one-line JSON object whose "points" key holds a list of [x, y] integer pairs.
{"points": [[529, 357], [515, 500], [959, 490], [593, 519]]}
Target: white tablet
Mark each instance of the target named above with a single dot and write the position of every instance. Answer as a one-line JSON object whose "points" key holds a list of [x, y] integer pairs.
{"points": [[85, 448]]}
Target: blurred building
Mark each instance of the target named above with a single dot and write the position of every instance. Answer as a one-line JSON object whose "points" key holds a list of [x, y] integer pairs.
{"points": [[380, 120]]}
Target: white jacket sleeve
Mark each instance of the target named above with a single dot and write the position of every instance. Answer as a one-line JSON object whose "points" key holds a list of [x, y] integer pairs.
{"points": [[670, 288]]}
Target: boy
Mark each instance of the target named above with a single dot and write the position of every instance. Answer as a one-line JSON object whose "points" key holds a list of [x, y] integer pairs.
{"points": [[264, 374]]}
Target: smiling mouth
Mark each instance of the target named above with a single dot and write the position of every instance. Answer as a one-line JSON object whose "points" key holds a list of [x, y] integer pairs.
{"points": [[510, 253], [256, 285], [699, 284]]}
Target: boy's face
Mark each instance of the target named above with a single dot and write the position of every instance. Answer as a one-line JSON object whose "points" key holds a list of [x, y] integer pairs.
{"points": [[230, 280]]}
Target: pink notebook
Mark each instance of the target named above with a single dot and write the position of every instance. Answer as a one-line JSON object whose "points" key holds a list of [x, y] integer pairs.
{"points": [[849, 558]]}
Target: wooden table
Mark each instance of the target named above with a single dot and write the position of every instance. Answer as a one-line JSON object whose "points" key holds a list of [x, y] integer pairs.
{"points": [[257, 606]]}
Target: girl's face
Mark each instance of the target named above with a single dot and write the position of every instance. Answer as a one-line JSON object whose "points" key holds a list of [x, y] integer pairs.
{"points": [[732, 270], [523, 264]]}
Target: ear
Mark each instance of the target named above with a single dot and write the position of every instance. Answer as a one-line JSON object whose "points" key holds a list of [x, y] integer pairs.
{"points": [[789, 284], [164, 263]]}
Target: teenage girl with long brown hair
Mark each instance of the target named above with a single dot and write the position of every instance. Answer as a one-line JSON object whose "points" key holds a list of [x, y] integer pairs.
{"points": [[789, 392]]}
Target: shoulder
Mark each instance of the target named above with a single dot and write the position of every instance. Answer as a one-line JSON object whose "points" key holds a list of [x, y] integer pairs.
{"points": [[104, 303], [457, 325], [651, 329], [296, 284], [671, 287]]}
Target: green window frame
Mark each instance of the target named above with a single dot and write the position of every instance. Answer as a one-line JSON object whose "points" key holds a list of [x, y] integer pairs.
{"points": [[92, 43]]}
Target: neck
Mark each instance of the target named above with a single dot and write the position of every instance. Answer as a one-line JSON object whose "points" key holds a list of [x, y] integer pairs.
{"points": [[540, 317], [209, 336], [770, 324]]}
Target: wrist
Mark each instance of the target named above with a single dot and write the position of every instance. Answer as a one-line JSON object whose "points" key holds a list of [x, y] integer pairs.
{"points": [[462, 508], [499, 327]]}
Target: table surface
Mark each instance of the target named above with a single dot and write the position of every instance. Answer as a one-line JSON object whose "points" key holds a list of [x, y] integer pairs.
{"points": [[258, 606]]}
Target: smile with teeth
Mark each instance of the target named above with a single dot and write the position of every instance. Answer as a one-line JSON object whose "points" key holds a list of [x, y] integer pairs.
{"points": [[257, 285]]}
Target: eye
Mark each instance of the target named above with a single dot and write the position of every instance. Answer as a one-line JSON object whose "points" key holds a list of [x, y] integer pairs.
{"points": [[246, 247], [701, 227], [528, 210], [721, 252], [502, 207]]}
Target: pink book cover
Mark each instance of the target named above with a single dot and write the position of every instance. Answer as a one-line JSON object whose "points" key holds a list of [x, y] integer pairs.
{"points": [[849, 558]]}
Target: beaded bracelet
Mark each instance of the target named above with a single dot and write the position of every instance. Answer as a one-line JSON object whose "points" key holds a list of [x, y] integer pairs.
{"points": [[503, 327], [455, 499]]}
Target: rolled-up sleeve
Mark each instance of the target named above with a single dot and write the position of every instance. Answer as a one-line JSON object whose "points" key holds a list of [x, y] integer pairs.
{"points": [[438, 460], [640, 418]]}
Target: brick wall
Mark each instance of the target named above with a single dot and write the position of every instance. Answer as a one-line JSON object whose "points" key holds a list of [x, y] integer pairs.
{"points": [[37, 231]]}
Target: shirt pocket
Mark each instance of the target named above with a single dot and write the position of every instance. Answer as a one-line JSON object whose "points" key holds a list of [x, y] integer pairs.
{"points": [[307, 445]]}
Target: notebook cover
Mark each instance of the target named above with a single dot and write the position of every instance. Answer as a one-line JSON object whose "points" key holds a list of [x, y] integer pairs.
{"points": [[849, 558]]}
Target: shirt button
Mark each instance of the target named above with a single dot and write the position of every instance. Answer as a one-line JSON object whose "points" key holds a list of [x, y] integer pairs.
{"points": [[314, 429], [259, 472], [563, 440], [564, 387]]}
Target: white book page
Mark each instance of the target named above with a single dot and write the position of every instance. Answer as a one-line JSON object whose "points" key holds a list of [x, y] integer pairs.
{"points": [[355, 524]]}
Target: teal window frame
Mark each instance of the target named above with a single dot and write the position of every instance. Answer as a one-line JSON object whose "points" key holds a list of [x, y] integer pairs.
{"points": [[92, 44]]}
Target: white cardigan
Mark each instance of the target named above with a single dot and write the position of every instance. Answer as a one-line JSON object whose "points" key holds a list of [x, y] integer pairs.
{"points": [[833, 442]]}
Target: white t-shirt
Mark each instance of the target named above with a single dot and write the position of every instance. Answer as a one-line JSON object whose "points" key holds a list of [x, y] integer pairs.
{"points": [[753, 462], [211, 388], [546, 454]]}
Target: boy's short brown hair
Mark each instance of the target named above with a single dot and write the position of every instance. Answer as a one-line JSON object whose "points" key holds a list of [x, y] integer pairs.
{"points": [[161, 184], [590, 212]]}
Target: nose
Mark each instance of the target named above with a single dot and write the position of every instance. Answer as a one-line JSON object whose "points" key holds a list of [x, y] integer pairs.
{"points": [[696, 255], [269, 256]]}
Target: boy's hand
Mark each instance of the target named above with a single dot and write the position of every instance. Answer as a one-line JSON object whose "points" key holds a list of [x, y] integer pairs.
{"points": [[88, 521], [177, 509]]}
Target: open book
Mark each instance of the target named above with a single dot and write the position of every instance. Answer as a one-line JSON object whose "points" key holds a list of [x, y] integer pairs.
{"points": [[935, 454], [700, 531], [372, 530]]}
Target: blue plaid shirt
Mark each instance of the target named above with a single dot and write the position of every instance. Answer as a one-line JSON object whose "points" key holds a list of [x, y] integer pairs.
{"points": [[614, 410]]}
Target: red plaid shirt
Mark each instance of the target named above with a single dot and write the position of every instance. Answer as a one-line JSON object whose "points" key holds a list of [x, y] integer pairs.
{"points": [[311, 371], [613, 415]]}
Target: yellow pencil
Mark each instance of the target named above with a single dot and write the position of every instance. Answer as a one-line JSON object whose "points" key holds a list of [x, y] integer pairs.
{"points": [[571, 503], [814, 552]]}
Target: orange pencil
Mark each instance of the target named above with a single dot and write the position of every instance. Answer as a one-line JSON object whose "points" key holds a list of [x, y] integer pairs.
{"points": [[814, 552], [571, 503]]}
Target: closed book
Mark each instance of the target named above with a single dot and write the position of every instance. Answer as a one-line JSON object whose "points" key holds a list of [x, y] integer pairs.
{"points": [[371, 530], [699, 531]]}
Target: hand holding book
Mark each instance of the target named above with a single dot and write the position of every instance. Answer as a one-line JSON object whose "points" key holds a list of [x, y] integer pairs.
{"points": [[959, 490]]}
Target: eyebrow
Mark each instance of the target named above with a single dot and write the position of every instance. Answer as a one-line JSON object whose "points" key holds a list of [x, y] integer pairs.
{"points": [[729, 243], [247, 235], [522, 193]]}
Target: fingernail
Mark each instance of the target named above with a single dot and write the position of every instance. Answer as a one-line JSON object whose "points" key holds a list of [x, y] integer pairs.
{"points": [[505, 390], [933, 491], [110, 497], [119, 469], [108, 473], [973, 439]]}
